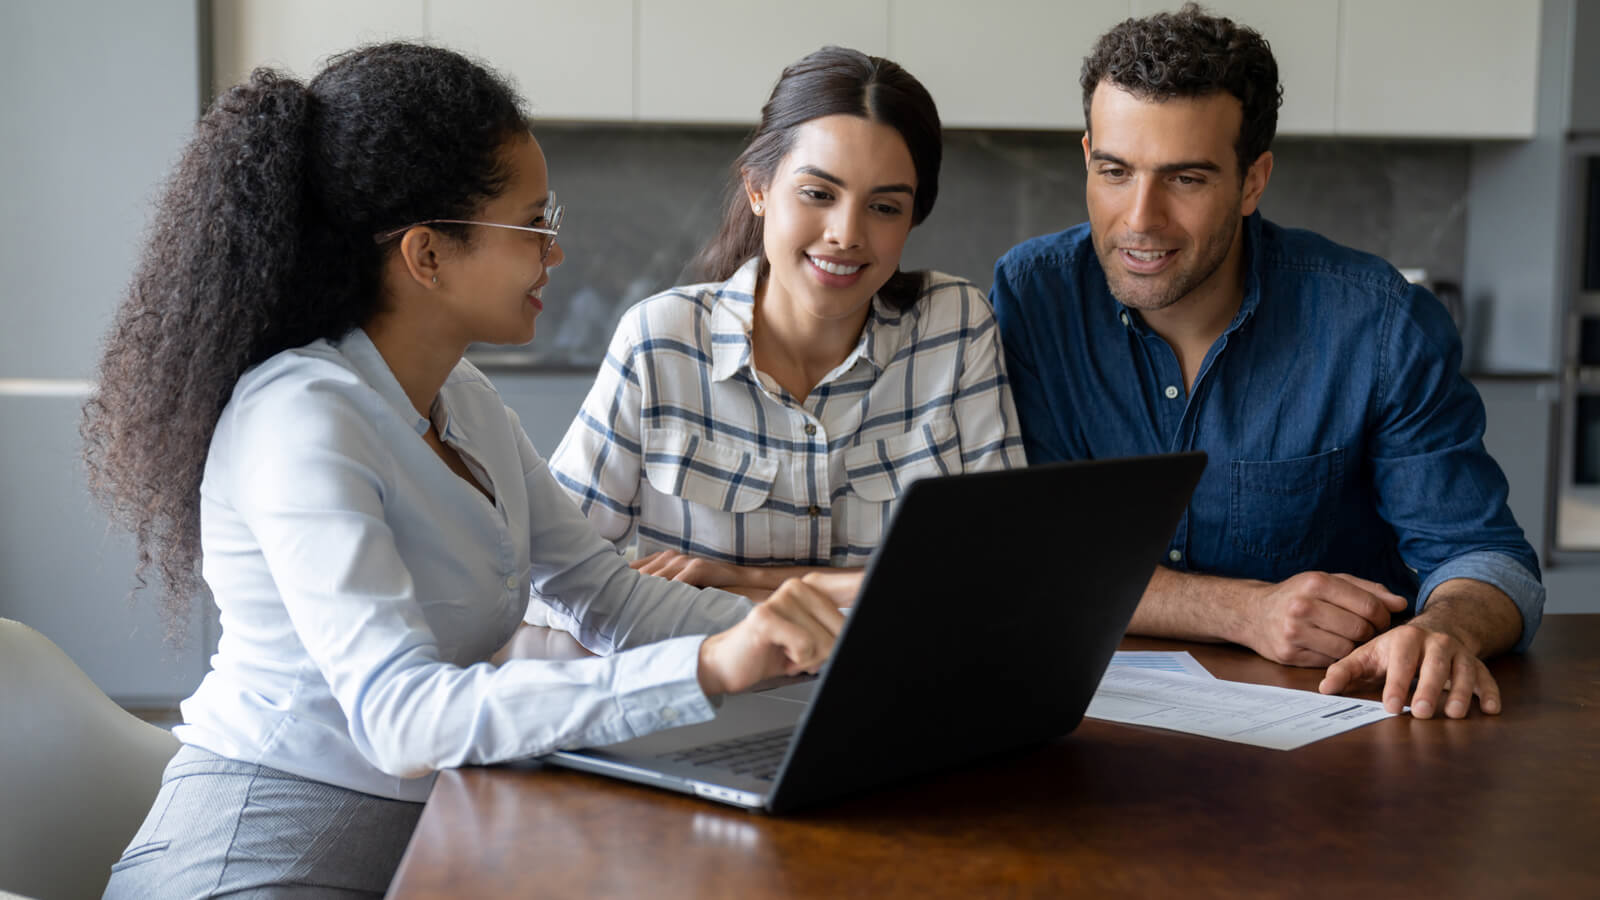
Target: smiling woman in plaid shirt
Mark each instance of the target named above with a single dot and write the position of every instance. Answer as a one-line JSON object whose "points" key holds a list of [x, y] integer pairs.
{"points": [[762, 423]]}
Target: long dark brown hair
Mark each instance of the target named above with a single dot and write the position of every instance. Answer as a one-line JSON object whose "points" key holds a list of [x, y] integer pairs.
{"points": [[832, 81], [262, 241]]}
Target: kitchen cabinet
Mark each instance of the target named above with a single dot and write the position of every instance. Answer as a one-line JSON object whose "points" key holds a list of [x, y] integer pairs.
{"points": [[715, 61], [1304, 35], [1438, 68], [1366, 68], [1001, 63], [571, 59], [299, 35]]}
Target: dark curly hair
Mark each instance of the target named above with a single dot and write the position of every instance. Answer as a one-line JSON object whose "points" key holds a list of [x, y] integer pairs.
{"points": [[1191, 54], [831, 81], [262, 241]]}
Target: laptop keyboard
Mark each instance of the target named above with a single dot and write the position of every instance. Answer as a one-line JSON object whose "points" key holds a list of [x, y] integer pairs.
{"points": [[758, 755]]}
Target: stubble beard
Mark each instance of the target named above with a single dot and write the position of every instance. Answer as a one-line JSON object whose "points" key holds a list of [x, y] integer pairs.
{"points": [[1151, 293]]}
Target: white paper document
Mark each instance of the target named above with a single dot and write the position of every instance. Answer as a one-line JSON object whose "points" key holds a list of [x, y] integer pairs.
{"points": [[1272, 717], [1180, 661]]}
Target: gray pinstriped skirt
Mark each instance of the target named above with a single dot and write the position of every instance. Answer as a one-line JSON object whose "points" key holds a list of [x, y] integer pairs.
{"points": [[222, 828]]}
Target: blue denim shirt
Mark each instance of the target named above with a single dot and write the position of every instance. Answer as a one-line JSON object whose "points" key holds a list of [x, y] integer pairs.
{"points": [[1342, 436]]}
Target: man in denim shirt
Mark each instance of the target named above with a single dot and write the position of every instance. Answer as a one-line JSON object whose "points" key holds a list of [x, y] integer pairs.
{"points": [[1348, 482]]}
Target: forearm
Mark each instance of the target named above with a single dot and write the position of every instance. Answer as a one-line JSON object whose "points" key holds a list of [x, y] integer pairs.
{"points": [[1193, 607], [768, 578], [1479, 615]]}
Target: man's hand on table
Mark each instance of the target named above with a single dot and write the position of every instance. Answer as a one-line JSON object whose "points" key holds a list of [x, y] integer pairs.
{"points": [[1439, 661], [1317, 618]]}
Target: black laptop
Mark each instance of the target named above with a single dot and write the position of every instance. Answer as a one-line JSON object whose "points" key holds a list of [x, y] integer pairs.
{"points": [[985, 621]]}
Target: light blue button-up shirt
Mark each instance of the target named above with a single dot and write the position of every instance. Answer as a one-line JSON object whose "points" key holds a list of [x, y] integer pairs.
{"points": [[363, 585]]}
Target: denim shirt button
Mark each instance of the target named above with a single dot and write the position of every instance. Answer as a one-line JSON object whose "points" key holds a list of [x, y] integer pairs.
{"points": [[1171, 392], [1124, 318], [1175, 555]]}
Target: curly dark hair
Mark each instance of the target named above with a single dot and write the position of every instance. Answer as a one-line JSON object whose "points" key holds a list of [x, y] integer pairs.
{"points": [[263, 240], [831, 81], [1192, 54]]}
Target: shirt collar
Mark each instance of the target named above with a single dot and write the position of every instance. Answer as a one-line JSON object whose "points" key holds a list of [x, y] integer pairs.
{"points": [[358, 348], [733, 316]]}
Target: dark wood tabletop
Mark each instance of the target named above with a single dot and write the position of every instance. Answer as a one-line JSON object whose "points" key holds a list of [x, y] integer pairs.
{"points": [[1487, 806]]}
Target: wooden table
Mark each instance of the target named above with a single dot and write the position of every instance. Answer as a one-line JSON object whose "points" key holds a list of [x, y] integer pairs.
{"points": [[1505, 806]]}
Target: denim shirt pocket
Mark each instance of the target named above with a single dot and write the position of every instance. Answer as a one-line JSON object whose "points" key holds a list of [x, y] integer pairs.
{"points": [[879, 470], [1284, 510], [684, 464]]}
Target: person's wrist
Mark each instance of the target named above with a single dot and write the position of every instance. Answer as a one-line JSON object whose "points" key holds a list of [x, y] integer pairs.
{"points": [[1247, 612], [705, 671], [768, 577]]}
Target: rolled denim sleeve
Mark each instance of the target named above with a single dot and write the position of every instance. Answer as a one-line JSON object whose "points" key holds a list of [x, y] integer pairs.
{"points": [[1436, 484], [1501, 571]]}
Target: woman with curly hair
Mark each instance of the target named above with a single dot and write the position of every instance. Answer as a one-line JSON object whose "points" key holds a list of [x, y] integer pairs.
{"points": [[284, 418]]}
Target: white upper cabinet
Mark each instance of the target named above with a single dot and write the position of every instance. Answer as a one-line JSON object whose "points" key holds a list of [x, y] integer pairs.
{"points": [[571, 59], [1384, 68], [1438, 68], [1304, 35], [716, 61], [1001, 63], [299, 35]]}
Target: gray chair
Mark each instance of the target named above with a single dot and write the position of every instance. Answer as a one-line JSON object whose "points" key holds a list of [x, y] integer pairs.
{"points": [[77, 772]]}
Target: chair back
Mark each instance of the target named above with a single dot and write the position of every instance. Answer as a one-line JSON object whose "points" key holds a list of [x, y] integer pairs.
{"points": [[77, 772]]}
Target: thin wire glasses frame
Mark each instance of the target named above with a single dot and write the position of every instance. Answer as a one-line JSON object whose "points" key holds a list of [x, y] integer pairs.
{"points": [[553, 212]]}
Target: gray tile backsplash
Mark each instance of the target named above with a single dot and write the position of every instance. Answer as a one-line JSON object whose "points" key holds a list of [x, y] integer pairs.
{"points": [[641, 201]]}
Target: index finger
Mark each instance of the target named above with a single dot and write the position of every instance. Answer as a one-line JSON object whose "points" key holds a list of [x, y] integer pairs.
{"points": [[807, 600], [1342, 592], [1394, 602]]}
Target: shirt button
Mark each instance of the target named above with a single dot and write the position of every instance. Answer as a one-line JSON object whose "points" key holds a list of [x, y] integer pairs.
{"points": [[669, 714], [813, 510], [1175, 556], [1124, 318], [511, 582], [810, 429], [1171, 392]]}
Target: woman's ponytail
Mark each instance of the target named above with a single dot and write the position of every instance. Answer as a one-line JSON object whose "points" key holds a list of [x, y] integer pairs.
{"points": [[228, 225]]}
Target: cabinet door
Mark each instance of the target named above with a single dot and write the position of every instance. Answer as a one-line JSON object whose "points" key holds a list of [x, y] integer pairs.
{"points": [[1438, 68], [299, 35], [1304, 35], [1001, 63], [715, 61], [571, 59]]}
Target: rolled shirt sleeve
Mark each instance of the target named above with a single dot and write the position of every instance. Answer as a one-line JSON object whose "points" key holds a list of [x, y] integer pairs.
{"points": [[1437, 486]]}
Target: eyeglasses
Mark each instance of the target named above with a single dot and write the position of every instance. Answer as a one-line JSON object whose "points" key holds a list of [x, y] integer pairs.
{"points": [[553, 214]]}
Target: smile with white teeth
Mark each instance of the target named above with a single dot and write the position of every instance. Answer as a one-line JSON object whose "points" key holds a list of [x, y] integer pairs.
{"points": [[833, 268], [1146, 255]]}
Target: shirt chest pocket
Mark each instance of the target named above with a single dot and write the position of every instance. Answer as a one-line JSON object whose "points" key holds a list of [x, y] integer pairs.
{"points": [[879, 470], [684, 464], [1285, 510]]}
